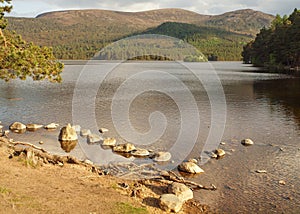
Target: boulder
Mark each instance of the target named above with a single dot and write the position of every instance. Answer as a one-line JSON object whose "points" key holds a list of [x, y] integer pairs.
{"points": [[67, 133], [140, 152], [170, 203], [69, 145], [247, 142], [162, 156], [220, 153], [181, 191], [103, 130], [94, 138], [190, 167], [109, 142], [33, 127], [17, 127], [85, 132], [124, 148], [51, 126]]}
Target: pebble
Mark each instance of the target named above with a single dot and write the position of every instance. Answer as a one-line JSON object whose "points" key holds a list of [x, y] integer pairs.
{"points": [[190, 167], [51, 126], [282, 182], [103, 130], [41, 142], [220, 153], [94, 138], [223, 143], [261, 171], [140, 152], [109, 142], [124, 148]]}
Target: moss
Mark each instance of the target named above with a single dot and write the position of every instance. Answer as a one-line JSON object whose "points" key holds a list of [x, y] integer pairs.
{"points": [[126, 208]]}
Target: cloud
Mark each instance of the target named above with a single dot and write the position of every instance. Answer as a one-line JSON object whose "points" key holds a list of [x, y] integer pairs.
{"points": [[35, 7]]}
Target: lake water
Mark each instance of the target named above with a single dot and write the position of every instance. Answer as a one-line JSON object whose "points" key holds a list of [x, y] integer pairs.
{"points": [[190, 106]]}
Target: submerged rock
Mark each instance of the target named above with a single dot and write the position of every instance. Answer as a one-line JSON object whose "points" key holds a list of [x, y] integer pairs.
{"points": [[140, 152], [170, 203], [52, 126], [77, 128], [124, 148], [67, 133], [94, 138], [181, 191], [247, 142], [109, 142], [17, 127], [190, 167], [85, 132], [162, 156]]}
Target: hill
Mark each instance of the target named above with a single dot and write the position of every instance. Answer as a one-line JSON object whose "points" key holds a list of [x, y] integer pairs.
{"points": [[79, 34]]}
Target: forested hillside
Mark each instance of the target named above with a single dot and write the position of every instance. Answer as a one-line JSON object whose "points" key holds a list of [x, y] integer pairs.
{"points": [[80, 34], [276, 47]]}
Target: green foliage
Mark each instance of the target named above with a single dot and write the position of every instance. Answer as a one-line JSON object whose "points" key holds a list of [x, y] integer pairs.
{"points": [[222, 44], [126, 208], [277, 46], [19, 59]]}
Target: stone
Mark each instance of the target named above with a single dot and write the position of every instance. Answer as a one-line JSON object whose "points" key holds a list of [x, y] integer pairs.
{"points": [[140, 152], [170, 203], [103, 130], [89, 162], [94, 138], [109, 142], [193, 160], [223, 143], [282, 182], [33, 127], [67, 133], [85, 132], [69, 145], [77, 128], [190, 167], [261, 171], [17, 127], [247, 142], [124, 148], [181, 191], [51, 126], [162, 156], [41, 142], [213, 155], [220, 153]]}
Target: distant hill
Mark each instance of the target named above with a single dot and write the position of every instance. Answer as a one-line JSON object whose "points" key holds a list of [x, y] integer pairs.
{"points": [[78, 34]]}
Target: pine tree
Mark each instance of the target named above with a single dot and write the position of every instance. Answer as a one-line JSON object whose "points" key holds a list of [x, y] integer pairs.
{"points": [[19, 59]]}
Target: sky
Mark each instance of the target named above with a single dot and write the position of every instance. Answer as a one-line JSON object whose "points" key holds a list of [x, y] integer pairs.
{"points": [[31, 8]]}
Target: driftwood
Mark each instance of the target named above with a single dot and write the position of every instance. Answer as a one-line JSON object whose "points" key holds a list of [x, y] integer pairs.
{"points": [[28, 144], [173, 177]]}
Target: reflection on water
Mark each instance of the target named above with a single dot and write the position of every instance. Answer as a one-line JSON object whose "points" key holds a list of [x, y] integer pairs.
{"points": [[263, 107]]}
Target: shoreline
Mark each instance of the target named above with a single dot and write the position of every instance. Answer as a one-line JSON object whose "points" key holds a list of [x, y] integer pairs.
{"points": [[38, 170]]}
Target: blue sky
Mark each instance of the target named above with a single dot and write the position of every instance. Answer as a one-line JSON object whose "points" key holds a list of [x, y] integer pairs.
{"points": [[31, 8]]}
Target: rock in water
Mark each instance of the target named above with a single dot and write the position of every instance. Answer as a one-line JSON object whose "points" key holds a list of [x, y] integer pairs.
{"points": [[124, 148], [103, 130], [94, 138], [181, 191], [85, 132], [162, 156], [140, 152], [247, 142], [33, 127], [190, 167], [51, 126], [220, 153], [109, 142], [67, 133], [170, 203], [17, 127], [69, 145], [77, 128]]}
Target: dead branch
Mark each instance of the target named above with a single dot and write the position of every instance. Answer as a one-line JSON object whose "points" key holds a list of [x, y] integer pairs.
{"points": [[28, 144]]}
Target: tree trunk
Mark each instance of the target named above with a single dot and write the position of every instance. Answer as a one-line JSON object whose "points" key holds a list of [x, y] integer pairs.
{"points": [[4, 39]]}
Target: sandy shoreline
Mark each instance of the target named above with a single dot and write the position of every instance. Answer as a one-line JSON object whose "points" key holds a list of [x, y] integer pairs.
{"points": [[27, 187]]}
